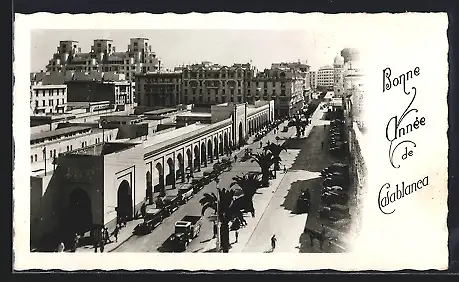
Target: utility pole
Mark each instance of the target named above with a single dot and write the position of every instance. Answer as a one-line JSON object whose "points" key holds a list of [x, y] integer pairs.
{"points": [[44, 157]]}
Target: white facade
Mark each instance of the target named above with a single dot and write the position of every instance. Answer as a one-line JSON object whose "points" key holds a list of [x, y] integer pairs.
{"points": [[325, 77], [45, 146], [103, 58], [48, 99]]}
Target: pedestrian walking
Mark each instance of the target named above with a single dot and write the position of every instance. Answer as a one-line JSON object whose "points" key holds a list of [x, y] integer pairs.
{"points": [[76, 239], [285, 169], [106, 236], [273, 242], [215, 230], [61, 247], [261, 144], [235, 158], [115, 233], [322, 144], [102, 245], [237, 236]]}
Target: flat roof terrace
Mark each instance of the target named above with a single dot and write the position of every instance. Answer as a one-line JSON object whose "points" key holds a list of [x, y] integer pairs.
{"points": [[158, 139], [161, 112], [54, 134], [101, 149]]}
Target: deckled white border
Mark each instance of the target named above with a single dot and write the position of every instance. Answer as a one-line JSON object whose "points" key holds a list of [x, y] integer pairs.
{"points": [[358, 26]]}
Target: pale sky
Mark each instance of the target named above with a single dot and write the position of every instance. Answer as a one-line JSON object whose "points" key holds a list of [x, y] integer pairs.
{"points": [[176, 47]]}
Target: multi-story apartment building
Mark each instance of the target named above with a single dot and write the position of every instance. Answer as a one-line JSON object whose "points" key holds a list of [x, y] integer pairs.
{"points": [[303, 69], [338, 77], [103, 58], [118, 93], [158, 89], [325, 77], [313, 79], [209, 84], [283, 85], [48, 99]]}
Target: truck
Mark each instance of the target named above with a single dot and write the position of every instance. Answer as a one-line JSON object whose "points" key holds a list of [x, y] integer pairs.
{"points": [[185, 231]]}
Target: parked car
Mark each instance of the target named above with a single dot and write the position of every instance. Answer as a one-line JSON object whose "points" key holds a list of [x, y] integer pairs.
{"points": [[330, 198], [335, 189], [336, 181], [335, 212], [153, 217]]}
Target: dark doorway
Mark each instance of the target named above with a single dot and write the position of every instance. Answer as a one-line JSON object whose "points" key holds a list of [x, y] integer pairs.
{"points": [[79, 212], [124, 203]]}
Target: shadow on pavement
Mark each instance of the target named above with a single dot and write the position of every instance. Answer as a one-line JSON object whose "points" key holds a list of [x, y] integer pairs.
{"points": [[296, 188]]}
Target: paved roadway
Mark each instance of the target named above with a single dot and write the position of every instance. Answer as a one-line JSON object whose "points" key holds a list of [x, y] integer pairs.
{"points": [[275, 205], [153, 242]]}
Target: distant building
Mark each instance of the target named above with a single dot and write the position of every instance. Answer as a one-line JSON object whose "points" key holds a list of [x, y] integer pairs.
{"points": [[284, 86], [338, 77], [159, 89], [210, 84], [48, 99], [325, 77], [313, 79], [118, 93], [103, 58]]}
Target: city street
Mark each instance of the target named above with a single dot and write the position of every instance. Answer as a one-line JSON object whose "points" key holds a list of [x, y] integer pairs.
{"points": [[153, 242], [275, 205]]}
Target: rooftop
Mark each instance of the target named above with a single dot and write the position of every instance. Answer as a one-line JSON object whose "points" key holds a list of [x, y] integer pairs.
{"points": [[195, 114], [102, 149], [160, 111], [160, 138], [58, 132]]}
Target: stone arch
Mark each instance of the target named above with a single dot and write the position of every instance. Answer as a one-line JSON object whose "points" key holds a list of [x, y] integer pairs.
{"points": [[215, 147], [170, 176], [79, 212], [203, 154], [241, 136], [160, 187], [209, 149], [225, 141], [124, 206], [189, 161], [196, 162], [220, 144], [180, 174], [149, 190]]}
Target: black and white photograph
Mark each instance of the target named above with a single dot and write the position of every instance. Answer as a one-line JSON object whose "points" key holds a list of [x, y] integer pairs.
{"points": [[220, 139]]}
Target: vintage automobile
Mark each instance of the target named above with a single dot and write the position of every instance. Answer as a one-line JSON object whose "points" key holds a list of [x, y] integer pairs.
{"points": [[153, 217], [169, 204], [185, 231], [336, 189], [336, 181], [330, 198], [335, 212]]}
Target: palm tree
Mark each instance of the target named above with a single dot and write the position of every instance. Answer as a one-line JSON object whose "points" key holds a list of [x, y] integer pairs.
{"points": [[224, 206], [264, 160], [249, 184], [275, 150]]}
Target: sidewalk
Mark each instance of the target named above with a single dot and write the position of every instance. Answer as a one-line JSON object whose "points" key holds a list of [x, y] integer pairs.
{"points": [[124, 234], [261, 201]]}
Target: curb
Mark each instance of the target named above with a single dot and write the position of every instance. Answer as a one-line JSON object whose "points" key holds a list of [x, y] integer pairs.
{"points": [[121, 243]]}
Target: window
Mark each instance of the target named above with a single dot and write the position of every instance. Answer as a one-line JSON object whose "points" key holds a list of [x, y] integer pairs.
{"points": [[51, 102], [31, 159], [50, 154], [68, 148], [71, 148], [232, 91], [35, 157], [44, 103]]}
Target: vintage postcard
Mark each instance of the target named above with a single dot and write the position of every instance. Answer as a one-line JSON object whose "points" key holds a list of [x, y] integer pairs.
{"points": [[230, 141]]}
